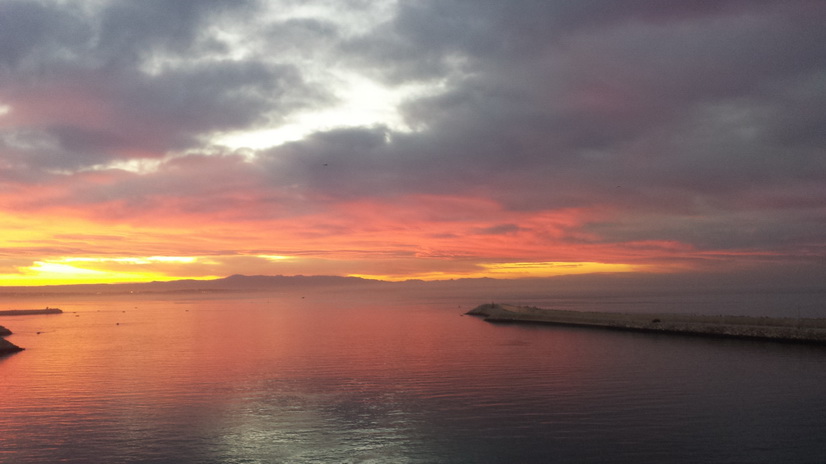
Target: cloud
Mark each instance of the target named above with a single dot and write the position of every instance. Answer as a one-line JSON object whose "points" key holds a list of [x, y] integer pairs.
{"points": [[547, 129], [675, 104], [138, 115], [499, 229], [145, 79]]}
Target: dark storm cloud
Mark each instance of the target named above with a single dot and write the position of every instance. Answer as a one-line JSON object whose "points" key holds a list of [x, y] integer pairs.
{"points": [[425, 36], [38, 36], [692, 121], [145, 116], [135, 79], [29, 29], [633, 93], [679, 108], [129, 30], [192, 100], [344, 163]]}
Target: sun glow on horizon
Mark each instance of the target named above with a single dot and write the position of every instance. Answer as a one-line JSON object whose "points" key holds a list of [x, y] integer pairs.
{"points": [[97, 270], [134, 260], [104, 270], [52, 273], [520, 270]]}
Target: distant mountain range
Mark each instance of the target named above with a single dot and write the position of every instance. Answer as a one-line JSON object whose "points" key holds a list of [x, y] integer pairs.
{"points": [[234, 283], [590, 284]]}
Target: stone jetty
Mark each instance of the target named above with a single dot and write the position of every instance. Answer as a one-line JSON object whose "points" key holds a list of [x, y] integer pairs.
{"points": [[29, 312], [800, 330]]}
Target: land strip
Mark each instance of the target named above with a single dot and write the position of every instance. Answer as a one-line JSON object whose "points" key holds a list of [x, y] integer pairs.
{"points": [[29, 312], [801, 330]]}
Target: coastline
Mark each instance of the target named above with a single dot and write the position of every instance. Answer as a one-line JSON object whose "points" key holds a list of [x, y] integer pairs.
{"points": [[7, 347], [796, 330]]}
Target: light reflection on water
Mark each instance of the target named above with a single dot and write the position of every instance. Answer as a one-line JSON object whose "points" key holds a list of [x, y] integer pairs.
{"points": [[332, 379]]}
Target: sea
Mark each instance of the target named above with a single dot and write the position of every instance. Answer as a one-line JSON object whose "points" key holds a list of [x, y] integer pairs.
{"points": [[344, 377]]}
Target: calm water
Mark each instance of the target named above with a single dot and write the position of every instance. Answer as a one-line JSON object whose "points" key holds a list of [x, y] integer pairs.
{"points": [[331, 379]]}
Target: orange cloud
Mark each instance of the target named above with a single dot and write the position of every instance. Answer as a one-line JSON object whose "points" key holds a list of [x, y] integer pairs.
{"points": [[418, 236]]}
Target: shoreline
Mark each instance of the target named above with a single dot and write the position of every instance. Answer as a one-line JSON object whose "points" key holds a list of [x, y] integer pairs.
{"points": [[7, 347], [795, 330]]}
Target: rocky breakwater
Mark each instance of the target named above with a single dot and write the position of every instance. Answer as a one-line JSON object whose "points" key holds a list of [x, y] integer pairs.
{"points": [[766, 328], [30, 312], [7, 347]]}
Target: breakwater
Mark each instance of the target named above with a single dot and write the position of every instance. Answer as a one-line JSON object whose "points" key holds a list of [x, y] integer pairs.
{"points": [[766, 328], [29, 312]]}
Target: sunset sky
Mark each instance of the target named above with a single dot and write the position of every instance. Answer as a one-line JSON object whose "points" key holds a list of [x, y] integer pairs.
{"points": [[433, 139]]}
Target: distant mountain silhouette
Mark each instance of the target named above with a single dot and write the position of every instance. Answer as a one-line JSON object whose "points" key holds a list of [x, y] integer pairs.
{"points": [[586, 284], [269, 282], [233, 283]]}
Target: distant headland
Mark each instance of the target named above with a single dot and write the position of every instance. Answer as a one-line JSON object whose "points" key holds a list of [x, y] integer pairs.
{"points": [[799, 330]]}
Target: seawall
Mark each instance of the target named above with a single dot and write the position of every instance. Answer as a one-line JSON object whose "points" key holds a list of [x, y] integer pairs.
{"points": [[29, 312], [765, 328]]}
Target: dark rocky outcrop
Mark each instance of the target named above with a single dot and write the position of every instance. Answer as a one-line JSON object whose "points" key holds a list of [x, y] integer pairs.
{"points": [[7, 347]]}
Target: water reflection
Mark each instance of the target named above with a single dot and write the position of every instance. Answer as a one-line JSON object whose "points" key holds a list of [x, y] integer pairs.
{"points": [[284, 380]]}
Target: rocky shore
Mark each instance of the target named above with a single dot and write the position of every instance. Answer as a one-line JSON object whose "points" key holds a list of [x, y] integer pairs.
{"points": [[766, 328], [7, 347]]}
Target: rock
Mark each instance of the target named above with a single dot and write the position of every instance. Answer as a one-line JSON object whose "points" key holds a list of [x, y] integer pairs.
{"points": [[4, 331], [7, 347]]}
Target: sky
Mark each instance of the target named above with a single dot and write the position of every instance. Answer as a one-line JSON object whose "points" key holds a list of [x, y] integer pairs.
{"points": [[424, 139]]}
